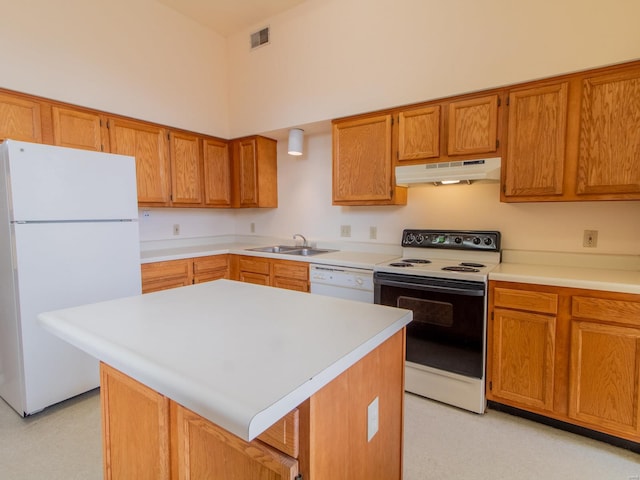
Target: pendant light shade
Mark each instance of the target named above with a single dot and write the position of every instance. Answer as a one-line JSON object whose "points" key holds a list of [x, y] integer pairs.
{"points": [[295, 141]]}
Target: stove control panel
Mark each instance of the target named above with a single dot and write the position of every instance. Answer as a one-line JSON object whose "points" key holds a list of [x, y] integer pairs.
{"points": [[488, 241]]}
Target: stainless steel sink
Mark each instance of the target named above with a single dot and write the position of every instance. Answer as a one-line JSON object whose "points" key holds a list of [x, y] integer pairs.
{"points": [[274, 249], [291, 250], [307, 251]]}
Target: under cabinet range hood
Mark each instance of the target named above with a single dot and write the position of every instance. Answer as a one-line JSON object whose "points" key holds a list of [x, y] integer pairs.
{"points": [[487, 169]]}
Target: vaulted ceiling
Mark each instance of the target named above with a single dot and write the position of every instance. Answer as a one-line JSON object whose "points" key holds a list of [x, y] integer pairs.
{"points": [[229, 16]]}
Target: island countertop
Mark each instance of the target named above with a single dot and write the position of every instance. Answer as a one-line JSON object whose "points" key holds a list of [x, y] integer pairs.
{"points": [[238, 354]]}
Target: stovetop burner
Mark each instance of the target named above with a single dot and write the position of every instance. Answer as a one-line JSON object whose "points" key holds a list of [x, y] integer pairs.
{"points": [[416, 260], [460, 268], [471, 264], [400, 264]]}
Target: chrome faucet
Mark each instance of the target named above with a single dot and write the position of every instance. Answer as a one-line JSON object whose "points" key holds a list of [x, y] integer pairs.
{"points": [[304, 240]]}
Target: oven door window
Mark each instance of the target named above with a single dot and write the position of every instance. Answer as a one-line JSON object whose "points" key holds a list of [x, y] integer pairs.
{"points": [[447, 331]]}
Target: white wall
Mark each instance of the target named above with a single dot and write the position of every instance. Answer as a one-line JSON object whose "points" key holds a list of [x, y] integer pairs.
{"points": [[333, 58], [131, 57]]}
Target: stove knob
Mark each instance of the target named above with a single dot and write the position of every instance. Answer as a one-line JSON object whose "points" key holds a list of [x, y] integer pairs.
{"points": [[458, 240], [410, 238], [419, 238], [488, 241], [476, 240]]}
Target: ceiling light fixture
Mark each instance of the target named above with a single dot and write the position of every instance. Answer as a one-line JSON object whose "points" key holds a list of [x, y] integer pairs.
{"points": [[295, 141]]}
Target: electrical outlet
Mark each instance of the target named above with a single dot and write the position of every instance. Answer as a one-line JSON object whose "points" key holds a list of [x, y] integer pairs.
{"points": [[373, 233], [345, 230], [590, 238], [252, 227], [372, 419], [176, 229], [146, 215]]}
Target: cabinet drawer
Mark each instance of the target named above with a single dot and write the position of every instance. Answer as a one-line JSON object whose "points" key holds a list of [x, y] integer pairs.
{"points": [[299, 271], [618, 311], [204, 265], [291, 284], [284, 434], [165, 270], [255, 265], [531, 301]]}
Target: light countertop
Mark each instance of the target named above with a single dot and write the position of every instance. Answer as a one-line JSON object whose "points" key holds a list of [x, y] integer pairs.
{"points": [[343, 258], [571, 270], [238, 354]]}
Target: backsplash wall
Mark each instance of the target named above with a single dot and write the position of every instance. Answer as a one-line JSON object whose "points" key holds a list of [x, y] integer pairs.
{"points": [[304, 198]]}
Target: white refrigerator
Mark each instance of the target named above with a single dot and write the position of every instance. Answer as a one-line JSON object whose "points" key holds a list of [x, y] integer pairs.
{"points": [[68, 236]]}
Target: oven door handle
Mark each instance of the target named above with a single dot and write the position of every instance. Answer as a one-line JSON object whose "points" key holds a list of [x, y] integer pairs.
{"points": [[470, 292]]}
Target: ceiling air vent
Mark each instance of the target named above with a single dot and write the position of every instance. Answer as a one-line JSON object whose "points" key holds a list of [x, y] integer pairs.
{"points": [[259, 38]]}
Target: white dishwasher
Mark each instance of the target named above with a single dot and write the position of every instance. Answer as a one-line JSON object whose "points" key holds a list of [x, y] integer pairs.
{"points": [[342, 282]]}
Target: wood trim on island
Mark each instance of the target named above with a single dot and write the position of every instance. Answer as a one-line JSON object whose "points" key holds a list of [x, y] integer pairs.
{"points": [[149, 436]]}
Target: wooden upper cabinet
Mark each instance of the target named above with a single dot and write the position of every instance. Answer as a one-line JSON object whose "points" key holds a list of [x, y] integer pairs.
{"points": [[76, 129], [255, 172], [609, 153], [247, 170], [20, 119], [217, 173], [535, 159], [473, 126], [186, 169], [362, 163], [148, 144], [419, 133]]}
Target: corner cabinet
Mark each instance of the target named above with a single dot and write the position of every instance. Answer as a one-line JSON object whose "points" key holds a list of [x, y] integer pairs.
{"points": [[569, 354], [20, 118], [179, 273], [574, 138], [363, 171], [255, 172]]}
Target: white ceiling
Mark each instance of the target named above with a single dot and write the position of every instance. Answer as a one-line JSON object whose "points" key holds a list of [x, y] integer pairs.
{"points": [[229, 16]]}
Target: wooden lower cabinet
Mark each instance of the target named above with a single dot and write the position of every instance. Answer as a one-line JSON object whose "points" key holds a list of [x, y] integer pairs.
{"points": [[179, 273], [569, 354], [148, 436], [288, 274]]}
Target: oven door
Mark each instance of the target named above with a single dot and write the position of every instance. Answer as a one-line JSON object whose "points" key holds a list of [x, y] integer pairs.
{"points": [[448, 327]]}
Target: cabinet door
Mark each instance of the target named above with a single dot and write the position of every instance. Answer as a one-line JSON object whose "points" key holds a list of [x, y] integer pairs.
{"points": [[217, 173], [362, 166], [206, 269], [523, 351], [148, 144], [207, 451], [245, 161], [291, 275], [473, 126], [20, 119], [135, 428], [609, 156], [419, 133], [164, 275], [605, 377], [534, 165], [76, 129], [186, 169]]}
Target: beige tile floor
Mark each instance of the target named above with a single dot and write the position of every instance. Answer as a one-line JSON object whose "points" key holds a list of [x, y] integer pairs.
{"points": [[441, 442]]}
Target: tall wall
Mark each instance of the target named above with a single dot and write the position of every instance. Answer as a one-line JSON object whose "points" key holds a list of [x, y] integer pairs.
{"points": [[131, 57], [332, 58]]}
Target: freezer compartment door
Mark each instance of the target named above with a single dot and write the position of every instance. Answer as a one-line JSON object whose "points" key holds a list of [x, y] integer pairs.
{"points": [[61, 265], [49, 183]]}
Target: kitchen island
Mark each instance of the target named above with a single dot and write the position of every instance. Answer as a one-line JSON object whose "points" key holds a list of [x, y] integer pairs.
{"points": [[199, 381]]}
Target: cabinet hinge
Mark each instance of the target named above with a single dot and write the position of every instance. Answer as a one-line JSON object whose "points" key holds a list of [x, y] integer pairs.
{"points": [[491, 315], [504, 188], [392, 119], [508, 100], [490, 386], [497, 143], [102, 148], [499, 101]]}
